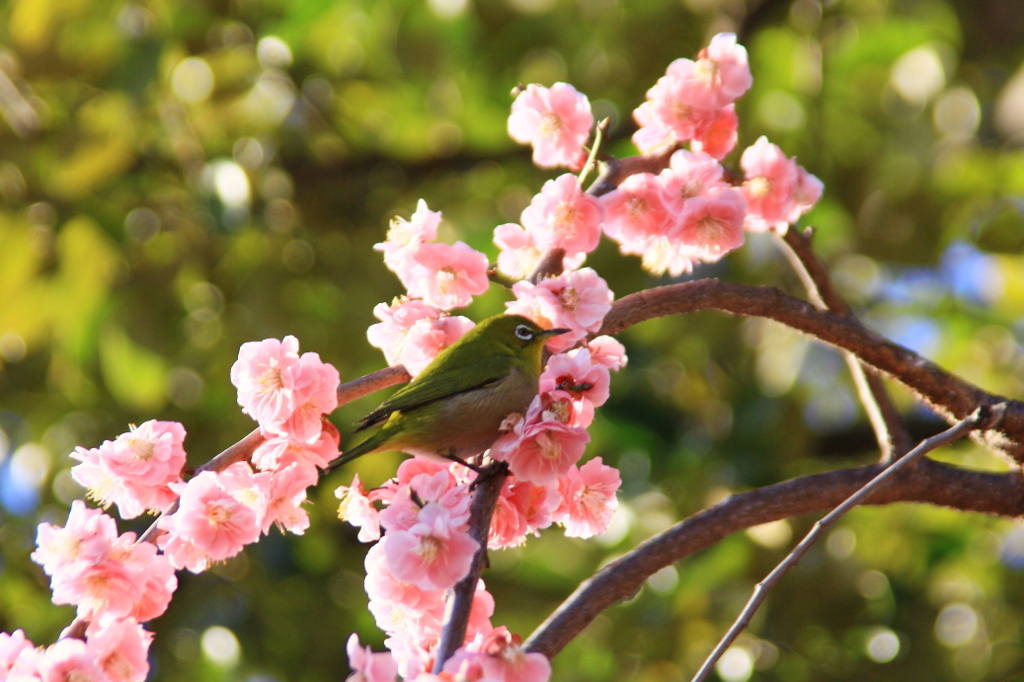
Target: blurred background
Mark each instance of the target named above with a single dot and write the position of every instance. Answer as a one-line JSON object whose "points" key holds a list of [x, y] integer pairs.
{"points": [[178, 177]]}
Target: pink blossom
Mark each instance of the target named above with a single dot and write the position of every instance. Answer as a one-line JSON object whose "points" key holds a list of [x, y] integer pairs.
{"points": [[653, 136], [520, 253], [446, 276], [723, 67], [119, 648], [523, 508], [411, 333], [441, 487], [100, 572], [160, 584], [588, 499], [405, 235], [542, 451], [266, 375], [689, 175], [716, 133], [135, 470], [499, 657], [563, 216], [18, 656], [576, 300], [576, 372], [70, 660], [432, 554], [369, 666], [607, 351], [283, 492], [808, 191], [213, 522], [663, 255], [770, 186], [358, 509], [712, 224], [280, 452], [383, 587], [638, 211], [85, 539], [555, 120], [316, 394]]}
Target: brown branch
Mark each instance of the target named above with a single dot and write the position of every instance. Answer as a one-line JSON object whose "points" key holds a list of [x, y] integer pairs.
{"points": [[929, 482], [614, 171], [949, 395], [891, 432], [460, 602], [980, 416]]}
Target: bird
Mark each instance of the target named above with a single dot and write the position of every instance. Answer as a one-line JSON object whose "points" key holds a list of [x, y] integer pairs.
{"points": [[454, 409]]}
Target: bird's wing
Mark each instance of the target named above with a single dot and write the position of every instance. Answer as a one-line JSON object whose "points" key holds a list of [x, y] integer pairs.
{"points": [[440, 380]]}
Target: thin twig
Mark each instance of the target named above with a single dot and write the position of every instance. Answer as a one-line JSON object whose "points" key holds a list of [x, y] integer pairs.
{"points": [[981, 415], [460, 602], [890, 431]]}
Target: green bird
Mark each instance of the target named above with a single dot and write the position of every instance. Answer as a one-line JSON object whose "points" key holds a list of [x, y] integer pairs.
{"points": [[454, 408]]}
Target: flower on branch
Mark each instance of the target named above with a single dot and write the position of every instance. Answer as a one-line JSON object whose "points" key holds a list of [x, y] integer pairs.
{"points": [[135, 470], [556, 121]]}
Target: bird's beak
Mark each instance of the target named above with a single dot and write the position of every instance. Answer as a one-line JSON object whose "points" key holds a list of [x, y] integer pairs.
{"points": [[553, 332]]}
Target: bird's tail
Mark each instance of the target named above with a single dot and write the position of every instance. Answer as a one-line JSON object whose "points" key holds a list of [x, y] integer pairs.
{"points": [[366, 447]]}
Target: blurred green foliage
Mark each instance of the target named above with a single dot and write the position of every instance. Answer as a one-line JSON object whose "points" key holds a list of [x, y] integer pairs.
{"points": [[178, 177]]}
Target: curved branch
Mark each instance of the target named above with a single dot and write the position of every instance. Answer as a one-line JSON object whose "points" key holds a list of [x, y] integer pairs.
{"points": [[929, 481], [949, 395]]}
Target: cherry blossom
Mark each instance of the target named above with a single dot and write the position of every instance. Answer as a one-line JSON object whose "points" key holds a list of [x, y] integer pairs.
{"points": [[712, 224], [212, 522], [369, 666], [541, 451], [498, 656], [119, 648], [520, 253], [19, 658], [412, 333], [446, 276], [70, 659], [576, 300], [689, 175], [588, 498], [638, 211], [134, 470], [562, 216], [357, 509], [770, 186], [280, 452], [283, 493], [266, 375], [607, 351], [405, 235], [555, 120], [431, 554]]}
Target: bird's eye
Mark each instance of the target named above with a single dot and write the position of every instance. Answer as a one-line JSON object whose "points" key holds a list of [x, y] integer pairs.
{"points": [[523, 332]]}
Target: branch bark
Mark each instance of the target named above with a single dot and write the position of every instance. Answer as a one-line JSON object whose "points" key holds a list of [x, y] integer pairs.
{"points": [[929, 481], [460, 603], [950, 396]]}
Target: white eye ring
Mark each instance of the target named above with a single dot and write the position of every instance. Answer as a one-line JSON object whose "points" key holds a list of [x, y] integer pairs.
{"points": [[524, 333]]}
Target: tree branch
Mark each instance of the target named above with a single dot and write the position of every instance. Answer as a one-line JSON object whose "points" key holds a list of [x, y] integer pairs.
{"points": [[460, 602], [979, 417], [950, 396], [893, 437], [930, 482]]}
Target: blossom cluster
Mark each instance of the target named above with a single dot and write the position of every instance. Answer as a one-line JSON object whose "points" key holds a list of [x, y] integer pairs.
{"points": [[117, 582], [427, 549], [114, 650], [685, 214]]}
